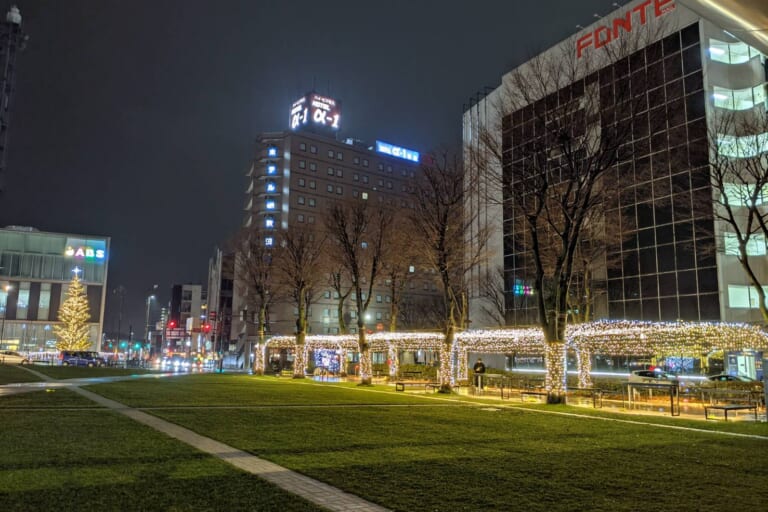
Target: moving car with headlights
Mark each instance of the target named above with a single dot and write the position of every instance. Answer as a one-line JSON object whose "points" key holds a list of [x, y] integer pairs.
{"points": [[653, 377], [175, 363]]}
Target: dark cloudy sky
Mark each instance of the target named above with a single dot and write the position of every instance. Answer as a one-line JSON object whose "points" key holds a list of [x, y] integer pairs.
{"points": [[135, 118]]}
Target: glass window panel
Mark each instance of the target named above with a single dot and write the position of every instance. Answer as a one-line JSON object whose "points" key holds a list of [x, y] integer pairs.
{"points": [[22, 301]]}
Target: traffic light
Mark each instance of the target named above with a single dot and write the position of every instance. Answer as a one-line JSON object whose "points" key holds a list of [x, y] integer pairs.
{"points": [[172, 324], [206, 328]]}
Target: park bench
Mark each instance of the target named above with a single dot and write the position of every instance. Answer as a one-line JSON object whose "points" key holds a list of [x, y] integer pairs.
{"points": [[400, 385], [532, 393], [728, 407]]}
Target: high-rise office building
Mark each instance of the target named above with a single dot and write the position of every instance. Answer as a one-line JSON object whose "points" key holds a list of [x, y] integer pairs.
{"points": [[693, 62]]}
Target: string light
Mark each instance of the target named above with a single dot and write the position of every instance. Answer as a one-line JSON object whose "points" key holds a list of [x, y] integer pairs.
{"points": [[607, 338]]}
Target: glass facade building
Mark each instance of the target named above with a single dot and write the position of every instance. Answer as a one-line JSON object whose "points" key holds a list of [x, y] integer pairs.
{"points": [[35, 270], [672, 260]]}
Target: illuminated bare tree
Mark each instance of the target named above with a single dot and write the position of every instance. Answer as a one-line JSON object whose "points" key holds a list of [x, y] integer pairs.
{"points": [[255, 270], [301, 264], [565, 124], [442, 225], [398, 267], [341, 286], [358, 232]]}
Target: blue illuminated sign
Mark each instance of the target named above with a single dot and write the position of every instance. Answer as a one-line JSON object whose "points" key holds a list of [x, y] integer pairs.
{"points": [[397, 151]]}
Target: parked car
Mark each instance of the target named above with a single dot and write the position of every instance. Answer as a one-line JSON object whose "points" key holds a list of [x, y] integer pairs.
{"points": [[11, 357], [653, 377], [81, 358], [727, 377]]}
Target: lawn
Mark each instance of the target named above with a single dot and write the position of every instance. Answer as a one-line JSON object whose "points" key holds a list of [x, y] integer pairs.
{"points": [[62, 453], [80, 372], [410, 452], [11, 373]]}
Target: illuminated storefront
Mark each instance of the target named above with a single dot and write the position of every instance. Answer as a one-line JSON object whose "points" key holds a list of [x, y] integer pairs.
{"points": [[35, 270]]}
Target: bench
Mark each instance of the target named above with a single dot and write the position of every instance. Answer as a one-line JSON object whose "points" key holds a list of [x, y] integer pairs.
{"points": [[729, 407], [400, 384]]}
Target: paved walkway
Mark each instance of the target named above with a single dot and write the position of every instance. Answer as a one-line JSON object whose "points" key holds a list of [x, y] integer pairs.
{"points": [[310, 489]]}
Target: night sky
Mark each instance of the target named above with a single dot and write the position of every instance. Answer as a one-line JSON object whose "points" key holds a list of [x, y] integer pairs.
{"points": [[136, 119]]}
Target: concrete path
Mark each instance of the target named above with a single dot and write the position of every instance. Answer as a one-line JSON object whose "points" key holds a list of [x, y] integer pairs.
{"points": [[310, 489]]}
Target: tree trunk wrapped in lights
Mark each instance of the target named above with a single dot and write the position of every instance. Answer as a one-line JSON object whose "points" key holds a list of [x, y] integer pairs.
{"points": [[584, 360], [258, 359], [463, 364], [394, 363], [74, 314], [555, 380]]}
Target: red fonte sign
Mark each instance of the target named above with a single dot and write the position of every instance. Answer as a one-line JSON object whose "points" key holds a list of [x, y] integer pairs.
{"points": [[636, 16]]}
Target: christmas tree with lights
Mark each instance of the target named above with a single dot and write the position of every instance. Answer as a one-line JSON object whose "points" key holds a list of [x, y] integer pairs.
{"points": [[74, 315]]}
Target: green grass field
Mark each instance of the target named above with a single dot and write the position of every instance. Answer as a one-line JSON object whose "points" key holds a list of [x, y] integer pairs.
{"points": [[404, 451]]}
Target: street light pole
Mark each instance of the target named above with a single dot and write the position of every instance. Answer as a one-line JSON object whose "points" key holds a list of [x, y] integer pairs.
{"points": [[150, 298], [8, 288]]}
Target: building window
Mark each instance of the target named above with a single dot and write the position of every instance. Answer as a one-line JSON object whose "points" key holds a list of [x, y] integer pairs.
{"points": [[365, 162], [271, 169], [272, 152], [300, 217], [300, 200], [339, 155], [355, 193], [269, 241], [329, 189], [739, 194], [389, 169], [312, 184], [339, 190], [302, 182], [270, 203], [364, 195], [312, 166], [356, 160], [269, 222], [378, 315], [755, 245], [743, 297], [381, 183], [313, 149], [381, 167], [44, 304], [302, 164], [303, 146], [355, 177], [387, 299], [330, 171], [739, 99], [312, 202], [731, 53], [311, 219], [389, 184], [379, 298], [365, 179], [339, 173], [271, 187], [746, 146]]}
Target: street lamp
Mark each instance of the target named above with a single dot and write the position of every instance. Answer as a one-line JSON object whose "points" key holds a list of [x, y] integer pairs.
{"points": [[150, 298], [8, 288]]}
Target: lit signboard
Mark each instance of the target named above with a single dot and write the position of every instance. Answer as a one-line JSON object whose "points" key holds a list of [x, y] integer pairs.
{"points": [[315, 111], [86, 250], [397, 151]]}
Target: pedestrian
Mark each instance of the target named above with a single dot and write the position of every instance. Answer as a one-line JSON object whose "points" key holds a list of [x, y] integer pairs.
{"points": [[479, 370]]}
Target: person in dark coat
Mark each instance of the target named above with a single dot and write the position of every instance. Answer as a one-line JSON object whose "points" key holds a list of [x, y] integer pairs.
{"points": [[479, 370]]}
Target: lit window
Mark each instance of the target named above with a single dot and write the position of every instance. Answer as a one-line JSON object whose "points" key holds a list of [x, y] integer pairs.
{"points": [[330, 171], [743, 296], [303, 146], [330, 153], [379, 298], [755, 245], [300, 200], [269, 222], [364, 195], [742, 147], [364, 245], [329, 188], [740, 99], [312, 184], [411, 269], [269, 241], [270, 203], [731, 53], [378, 315], [312, 202], [271, 151], [743, 194], [300, 217], [271, 169], [302, 182], [339, 190], [271, 187]]}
